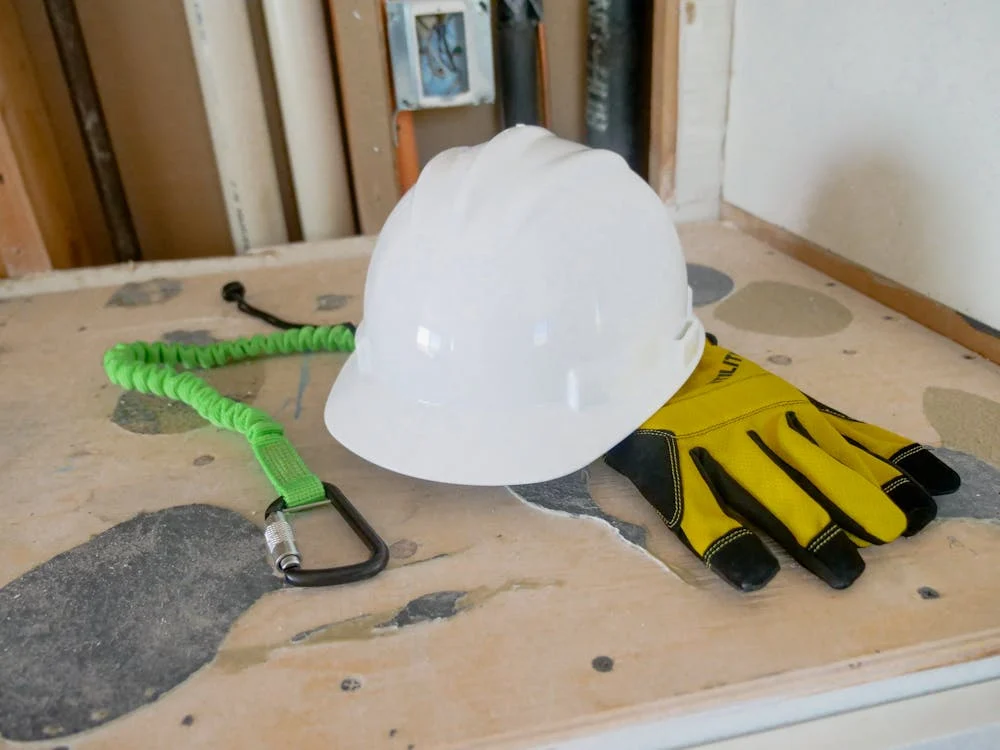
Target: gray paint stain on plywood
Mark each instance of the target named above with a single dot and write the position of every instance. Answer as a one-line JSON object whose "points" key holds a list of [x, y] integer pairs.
{"points": [[110, 625], [332, 301], [430, 607], [979, 495], [708, 285], [966, 422], [143, 293], [571, 495], [781, 309]]}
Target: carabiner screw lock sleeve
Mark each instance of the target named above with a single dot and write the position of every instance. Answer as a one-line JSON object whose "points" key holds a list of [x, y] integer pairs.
{"points": [[287, 559]]}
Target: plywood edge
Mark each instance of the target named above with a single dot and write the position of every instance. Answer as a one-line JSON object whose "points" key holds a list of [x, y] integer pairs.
{"points": [[928, 312], [777, 700], [282, 256], [663, 98]]}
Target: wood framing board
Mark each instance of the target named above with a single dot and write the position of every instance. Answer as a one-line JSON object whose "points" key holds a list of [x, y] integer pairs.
{"points": [[913, 304], [368, 109], [663, 96], [40, 228], [504, 619]]}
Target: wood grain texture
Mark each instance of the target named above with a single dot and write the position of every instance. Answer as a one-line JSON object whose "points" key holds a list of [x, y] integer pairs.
{"points": [[566, 52], [41, 229], [365, 89], [913, 304], [142, 61], [536, 627], [663, 98]]}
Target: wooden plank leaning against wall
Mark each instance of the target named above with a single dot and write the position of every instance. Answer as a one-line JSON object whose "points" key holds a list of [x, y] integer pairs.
{"points": [[363, 75], [39, 226], [663, 98], [167, 161]]}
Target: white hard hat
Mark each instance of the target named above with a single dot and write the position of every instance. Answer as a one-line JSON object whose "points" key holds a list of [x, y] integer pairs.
{"points": [[526, 308]]}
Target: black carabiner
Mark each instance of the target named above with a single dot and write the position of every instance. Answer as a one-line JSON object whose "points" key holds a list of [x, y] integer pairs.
{"points": [[285, 555]]}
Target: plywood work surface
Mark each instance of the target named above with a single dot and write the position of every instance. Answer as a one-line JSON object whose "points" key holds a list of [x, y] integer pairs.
{"points": [[137, 608]]}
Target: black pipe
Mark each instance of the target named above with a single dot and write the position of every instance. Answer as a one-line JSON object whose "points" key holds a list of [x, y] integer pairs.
{"points": [[618, 55], [517, 26], [90, 119]]}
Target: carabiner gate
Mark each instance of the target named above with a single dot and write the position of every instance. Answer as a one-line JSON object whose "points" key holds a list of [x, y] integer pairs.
{"points": [[285, 555]]}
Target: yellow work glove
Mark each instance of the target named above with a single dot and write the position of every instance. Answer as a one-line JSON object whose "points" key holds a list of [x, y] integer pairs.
{"points": [[738, 447]]}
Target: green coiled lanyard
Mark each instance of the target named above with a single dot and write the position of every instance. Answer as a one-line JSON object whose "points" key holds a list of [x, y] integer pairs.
{"points": [[164, 369]]}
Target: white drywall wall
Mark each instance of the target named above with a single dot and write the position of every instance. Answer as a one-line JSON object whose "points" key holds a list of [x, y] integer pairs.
{"points": [[873, 129]]}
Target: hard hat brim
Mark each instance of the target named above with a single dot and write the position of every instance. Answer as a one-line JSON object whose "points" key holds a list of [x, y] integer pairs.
{"points": [[501, 447]]}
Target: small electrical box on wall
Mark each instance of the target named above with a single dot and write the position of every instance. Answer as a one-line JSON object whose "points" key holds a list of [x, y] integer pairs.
{"points": [[441, 52]]}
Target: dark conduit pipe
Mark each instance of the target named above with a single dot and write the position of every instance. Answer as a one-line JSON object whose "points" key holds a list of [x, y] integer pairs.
{"points": [[618, 58], [90, 119], [517, 24]]}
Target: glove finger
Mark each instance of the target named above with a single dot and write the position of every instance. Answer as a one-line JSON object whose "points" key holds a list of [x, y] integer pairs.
{"points": [[672, 484], [908, 495], [855, 503], [769, 499], [913, 459]]}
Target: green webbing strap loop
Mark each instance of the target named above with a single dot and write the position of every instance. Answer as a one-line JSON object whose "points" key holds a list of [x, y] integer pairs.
{"points": [[151, 368]]}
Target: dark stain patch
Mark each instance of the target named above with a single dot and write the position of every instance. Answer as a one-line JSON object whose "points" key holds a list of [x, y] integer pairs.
{"points": [[197, 337], [187, 720], [979, 495], [332, 301], [350, 684], [707, 284], [437, 606], [690, 11], [403, 549], [81, 329], [965, 421], [926, 592], [439, 556], [981, 326], [781, 309], [779, 359], [571, 495], [142, 293], [850, 352], [392, 732], [888, 317], [968, 356], [147, 414], [603, 663], [204, 460], [104, 628]]}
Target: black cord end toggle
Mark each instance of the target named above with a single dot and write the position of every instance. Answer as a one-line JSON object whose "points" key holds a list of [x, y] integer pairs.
{"points": [[234, 291]]}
